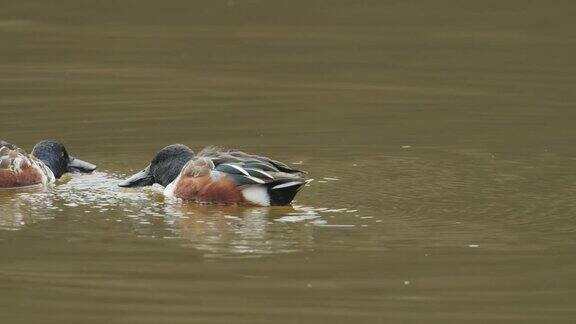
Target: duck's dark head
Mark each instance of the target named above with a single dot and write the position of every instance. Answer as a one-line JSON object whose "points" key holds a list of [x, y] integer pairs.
{"points": [[55, 156], [163, 169]]}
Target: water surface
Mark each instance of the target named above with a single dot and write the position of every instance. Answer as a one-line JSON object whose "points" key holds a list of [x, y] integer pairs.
{"points": [[439, 137]]}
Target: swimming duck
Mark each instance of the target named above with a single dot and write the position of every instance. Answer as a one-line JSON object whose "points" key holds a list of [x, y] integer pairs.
{"points": [[49, 161], [220, 177]]}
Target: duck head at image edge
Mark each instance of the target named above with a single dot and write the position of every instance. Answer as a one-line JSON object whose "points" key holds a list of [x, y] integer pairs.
{"points": [[49, 161], [220, 176]]}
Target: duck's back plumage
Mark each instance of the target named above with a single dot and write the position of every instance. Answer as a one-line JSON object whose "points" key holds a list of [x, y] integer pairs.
{"points": [[19, 169], [219, 156]]}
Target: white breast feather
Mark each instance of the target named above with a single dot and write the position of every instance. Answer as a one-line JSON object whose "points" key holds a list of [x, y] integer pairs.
{"points": [[47, 174], [169, 190], [17, 164], [257, 195]]}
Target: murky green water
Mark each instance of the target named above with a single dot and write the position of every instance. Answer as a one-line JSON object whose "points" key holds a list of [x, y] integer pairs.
{"points": [[439, 134]]}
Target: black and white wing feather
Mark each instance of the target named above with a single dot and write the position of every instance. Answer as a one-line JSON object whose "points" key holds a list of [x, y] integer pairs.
{"points": [[219, 156], [270, 185]]}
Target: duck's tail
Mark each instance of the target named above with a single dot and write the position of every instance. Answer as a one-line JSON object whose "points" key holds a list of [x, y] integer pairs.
{"points": [[283, 191]]}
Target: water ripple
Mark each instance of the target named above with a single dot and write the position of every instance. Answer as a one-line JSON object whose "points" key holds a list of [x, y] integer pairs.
{"points": [[220, 231]]}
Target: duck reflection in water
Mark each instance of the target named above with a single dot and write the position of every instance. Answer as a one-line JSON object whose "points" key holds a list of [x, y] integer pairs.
{"points": [[241, 231]]}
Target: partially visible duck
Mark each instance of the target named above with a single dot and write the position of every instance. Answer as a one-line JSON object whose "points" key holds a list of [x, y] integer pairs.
{"points": [[220, 177], [49, 161]]}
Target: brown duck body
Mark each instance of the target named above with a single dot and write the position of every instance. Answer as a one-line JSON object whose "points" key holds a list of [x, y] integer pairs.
{"points": [[25, 178], [205, 190], [220, 176], [19, 169], [208, 179]]}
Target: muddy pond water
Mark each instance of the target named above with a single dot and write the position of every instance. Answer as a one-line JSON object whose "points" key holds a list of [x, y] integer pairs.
{"points": [[439, 134]]}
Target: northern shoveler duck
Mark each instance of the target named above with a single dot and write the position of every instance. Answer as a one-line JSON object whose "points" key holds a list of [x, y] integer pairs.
{"points": [[49, 161], [220, 177]]}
